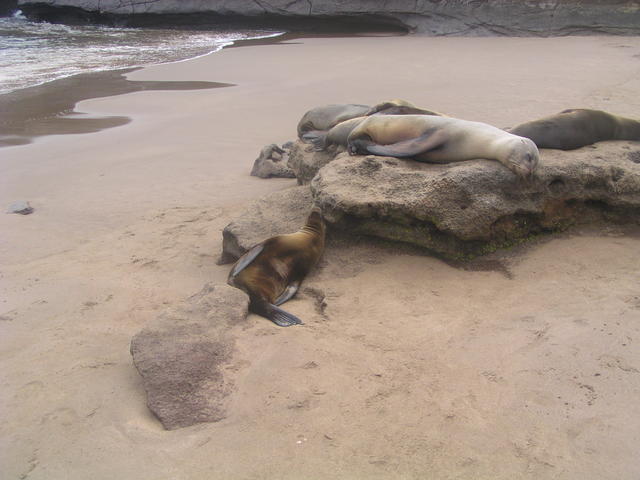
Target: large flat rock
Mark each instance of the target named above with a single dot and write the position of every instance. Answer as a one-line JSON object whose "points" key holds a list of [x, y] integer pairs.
{"points": [[468, 208], [181, 354]]}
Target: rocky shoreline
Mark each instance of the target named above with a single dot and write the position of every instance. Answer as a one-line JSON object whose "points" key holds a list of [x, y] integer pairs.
{"points": [[452, 17]]}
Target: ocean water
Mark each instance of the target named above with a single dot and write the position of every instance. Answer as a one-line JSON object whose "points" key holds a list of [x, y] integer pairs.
{"points": [[35, 53]]}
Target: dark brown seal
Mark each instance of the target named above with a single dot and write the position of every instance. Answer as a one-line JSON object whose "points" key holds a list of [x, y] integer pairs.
{"points": [[575, 128], [271, 271]]}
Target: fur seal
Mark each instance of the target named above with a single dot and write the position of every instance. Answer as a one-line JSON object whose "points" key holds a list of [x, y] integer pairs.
{"points": [[435, 139], [338, 135], [400, 107], [320, 119], [271, 271], [577, 127]]}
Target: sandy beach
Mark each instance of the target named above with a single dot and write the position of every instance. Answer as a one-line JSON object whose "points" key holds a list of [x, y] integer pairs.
{"points": [[416, 369]]}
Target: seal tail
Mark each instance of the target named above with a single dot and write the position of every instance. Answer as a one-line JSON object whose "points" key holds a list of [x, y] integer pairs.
{"points": [[280, 317]]}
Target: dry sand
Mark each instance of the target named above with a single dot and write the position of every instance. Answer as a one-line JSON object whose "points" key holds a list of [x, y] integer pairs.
{"points": [[414, 370]]}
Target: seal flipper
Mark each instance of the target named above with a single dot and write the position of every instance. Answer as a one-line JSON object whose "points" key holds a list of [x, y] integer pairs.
{"points": [[287, 294], [277, 315], [283, 318], [246, 260], [409, 148]]}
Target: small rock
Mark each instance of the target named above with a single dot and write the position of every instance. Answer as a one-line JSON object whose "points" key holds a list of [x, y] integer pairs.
{"points": [[272, 162], [21, 207]]}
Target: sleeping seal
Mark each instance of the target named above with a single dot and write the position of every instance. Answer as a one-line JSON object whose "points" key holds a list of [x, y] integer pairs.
{"points": [[271, 271], [320, 119], [435, 139], [575, 128]]}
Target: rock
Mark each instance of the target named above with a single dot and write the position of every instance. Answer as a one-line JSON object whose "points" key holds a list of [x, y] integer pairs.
{"points": [[305, 162], [21, 207], [451, 17], [280, 212], [181, 355], [272, 162], [468, 208]]}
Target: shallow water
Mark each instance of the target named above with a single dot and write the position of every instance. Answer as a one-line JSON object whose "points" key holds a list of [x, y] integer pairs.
{"points": [[34, 53]]}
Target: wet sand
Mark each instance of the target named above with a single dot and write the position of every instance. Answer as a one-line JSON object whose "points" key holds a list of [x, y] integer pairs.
{"points": [[413, 369]]}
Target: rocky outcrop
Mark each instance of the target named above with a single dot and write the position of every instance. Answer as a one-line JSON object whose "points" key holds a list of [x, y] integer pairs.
{"points": [[272, 162], [182, 353], [468, 208], [436, 17], [280, 212]]}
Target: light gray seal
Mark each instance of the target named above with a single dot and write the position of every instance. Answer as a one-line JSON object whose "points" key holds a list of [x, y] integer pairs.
{"points": [[434, 139], [320, 120]]}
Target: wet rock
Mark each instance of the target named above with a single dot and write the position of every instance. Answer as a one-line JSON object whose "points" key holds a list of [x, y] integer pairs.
{"points": [[21, 207], [181, 356], [272, 162], [280, 212], [468, 208]]}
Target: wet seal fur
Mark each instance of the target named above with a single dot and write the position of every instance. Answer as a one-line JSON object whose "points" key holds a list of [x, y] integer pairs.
{"points": [[271, 272], [577, 127], [435, 139]]}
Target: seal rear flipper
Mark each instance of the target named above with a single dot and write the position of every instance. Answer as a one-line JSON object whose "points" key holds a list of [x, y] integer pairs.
{"points": [[287, 294], [283, 318], [277, 315], [409, 148], [246, 260]]}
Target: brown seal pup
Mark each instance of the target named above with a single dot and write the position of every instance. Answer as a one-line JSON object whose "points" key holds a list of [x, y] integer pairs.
{"points": [[575, 128], [271, 271], [320, 119], [435, 139]]}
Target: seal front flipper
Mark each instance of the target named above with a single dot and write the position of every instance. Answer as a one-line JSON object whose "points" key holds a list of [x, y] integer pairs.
{"points": [[287, 294], [409, 148], [246, 260]]}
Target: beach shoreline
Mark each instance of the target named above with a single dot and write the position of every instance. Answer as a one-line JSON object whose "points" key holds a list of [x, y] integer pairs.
{"points": [[415, 367]]}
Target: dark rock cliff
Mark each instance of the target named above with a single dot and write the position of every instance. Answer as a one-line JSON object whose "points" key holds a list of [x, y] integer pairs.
{"points": [[436, 17]]}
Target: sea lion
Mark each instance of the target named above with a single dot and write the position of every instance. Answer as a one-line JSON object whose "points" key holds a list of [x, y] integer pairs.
{"points": [[577, 127], [435, 139], [400, 107], [338, 135], [271, 271], [320, 119]]}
